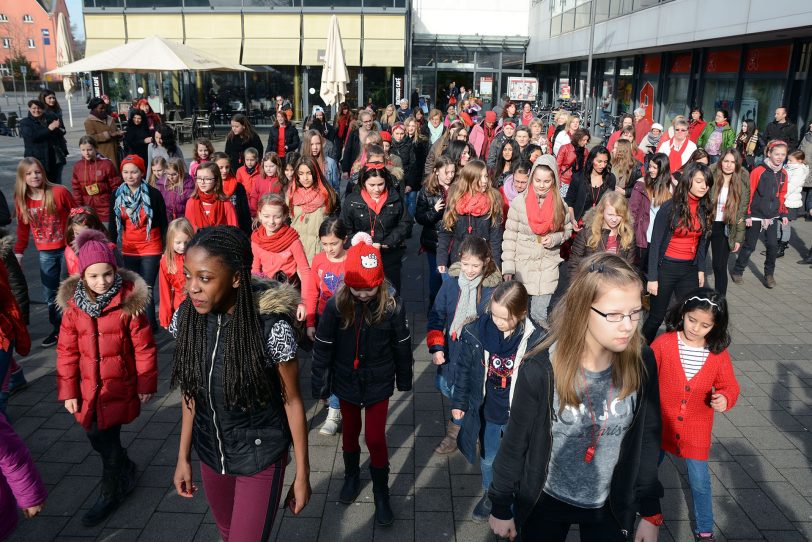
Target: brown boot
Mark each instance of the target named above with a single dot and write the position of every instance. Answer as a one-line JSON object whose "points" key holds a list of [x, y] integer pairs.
{"points": [[769, 281], [449, 442]]}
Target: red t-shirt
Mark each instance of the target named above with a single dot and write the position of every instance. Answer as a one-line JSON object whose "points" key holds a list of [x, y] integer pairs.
{"points": [[280, 142], [327, 276], [134, 240], [611, 244]]}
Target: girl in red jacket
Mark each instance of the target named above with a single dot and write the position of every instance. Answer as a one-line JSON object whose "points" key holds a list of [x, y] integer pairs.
{"points": [[106, 361], [209, 205], [171, 278], [249, 171], [42, 210], [268, 181], [94, 179], [278, 253], [696, 379]]}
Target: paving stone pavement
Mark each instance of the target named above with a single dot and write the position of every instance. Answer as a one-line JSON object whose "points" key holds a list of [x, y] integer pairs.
{"points": [[760, 459]]}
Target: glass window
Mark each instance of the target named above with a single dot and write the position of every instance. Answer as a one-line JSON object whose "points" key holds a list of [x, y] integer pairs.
{"points": [[423, 55], [198, 3], [378, 86], [643, 4], [609, 68], [760, 97], [625, 86], [582, 14], [253, 3], [601, 10], [719, 94], [373, 3], [614, 8], [104, 3], [568, 21], [512, 61], [154, 3], [331, 3], [675, 102], [555, 25]]}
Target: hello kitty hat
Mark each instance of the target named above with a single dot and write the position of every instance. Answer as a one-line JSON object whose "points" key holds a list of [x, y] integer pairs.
{"points": [[363, 268]]}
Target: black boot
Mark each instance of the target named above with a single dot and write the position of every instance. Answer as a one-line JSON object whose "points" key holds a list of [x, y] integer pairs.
{"points": [[782, 247], [108, 499], [380, 490], [352, 478]]}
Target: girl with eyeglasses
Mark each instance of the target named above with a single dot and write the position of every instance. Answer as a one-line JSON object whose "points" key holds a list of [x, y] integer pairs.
{"points": [[176, 186], [584, 433]]}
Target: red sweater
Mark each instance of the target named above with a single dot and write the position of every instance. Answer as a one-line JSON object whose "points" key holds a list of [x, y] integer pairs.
{"points": [[172, 289], [327, 276], [684, 404], [684, 243], [48, 229]]}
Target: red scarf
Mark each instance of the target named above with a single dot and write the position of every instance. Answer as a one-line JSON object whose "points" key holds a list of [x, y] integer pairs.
{"points": [[309, 199], [229, 185], [477, 204], [375, 206], [197, 214], [540, 219], [276, 242]]}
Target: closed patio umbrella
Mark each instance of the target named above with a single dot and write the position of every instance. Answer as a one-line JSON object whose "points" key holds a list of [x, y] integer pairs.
{"points": [[334, 77], [64, 56]]}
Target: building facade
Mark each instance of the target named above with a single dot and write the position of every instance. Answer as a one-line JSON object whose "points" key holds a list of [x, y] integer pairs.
{"points": [[745, 56], [28, 27]]}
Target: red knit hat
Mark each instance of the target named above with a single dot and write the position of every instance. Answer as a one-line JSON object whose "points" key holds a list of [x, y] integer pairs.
{"points": [[386, 136], [490, 116], [92, 247], [136, 160], [363, 268]]}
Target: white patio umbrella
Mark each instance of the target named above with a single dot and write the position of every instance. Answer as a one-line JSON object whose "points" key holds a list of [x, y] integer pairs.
{"points": [[64, 56], [152, 54], [334, 77]]}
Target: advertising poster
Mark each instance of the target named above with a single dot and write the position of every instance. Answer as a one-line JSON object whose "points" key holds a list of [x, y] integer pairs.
{"points": [[523, 89]]}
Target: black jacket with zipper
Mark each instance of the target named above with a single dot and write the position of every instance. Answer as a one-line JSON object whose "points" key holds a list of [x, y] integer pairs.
{"points": [[520, 468], [427, 216], [448, 242], [383, 351], [240, 441], [404, 149], [661, 234], [391, 228]]}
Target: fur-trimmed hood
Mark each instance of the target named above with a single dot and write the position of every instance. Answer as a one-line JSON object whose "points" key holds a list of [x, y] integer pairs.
{"points": [[273, 297], [491, 281], [135, 298], [6, 242]]}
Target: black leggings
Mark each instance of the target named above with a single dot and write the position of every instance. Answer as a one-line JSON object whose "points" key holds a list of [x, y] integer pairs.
{"points": [[107, 442], [721, 254], [551, 519], [674, 277]]}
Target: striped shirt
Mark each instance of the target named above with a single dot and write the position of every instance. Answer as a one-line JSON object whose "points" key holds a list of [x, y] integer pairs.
{"points": [[692, 357]]}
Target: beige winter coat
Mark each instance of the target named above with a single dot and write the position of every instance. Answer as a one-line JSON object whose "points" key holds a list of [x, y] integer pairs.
{"points": [[307, 225]]}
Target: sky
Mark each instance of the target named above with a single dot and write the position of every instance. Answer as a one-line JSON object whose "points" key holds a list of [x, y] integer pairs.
{"points": [[76, 19]]}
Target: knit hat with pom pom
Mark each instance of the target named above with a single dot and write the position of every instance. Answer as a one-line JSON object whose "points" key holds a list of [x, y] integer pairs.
{"points": [[91, 247], [363, 268]]}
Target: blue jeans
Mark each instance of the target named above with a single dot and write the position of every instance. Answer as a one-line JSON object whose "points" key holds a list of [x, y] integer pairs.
{"points": [[147, 267], [700, 481], [411, 202], [435, 279], [50, 273], [442, 384], [491, 439]]}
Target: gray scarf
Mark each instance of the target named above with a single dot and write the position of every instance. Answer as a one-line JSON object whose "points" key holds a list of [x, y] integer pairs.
{"points": [[94, 309], [466, 306]]}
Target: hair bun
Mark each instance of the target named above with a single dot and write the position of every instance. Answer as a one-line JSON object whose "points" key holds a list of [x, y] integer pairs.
{"points": [[361, 237], [88, 234]]}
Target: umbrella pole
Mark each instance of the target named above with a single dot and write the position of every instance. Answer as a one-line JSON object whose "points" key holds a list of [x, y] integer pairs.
{"points": [[161, 91], [70, 111]]}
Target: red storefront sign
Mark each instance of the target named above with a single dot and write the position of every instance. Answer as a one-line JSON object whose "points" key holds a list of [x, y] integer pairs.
{"points": [[651, 64], [681, 63], [723, 61], [767, 59]]}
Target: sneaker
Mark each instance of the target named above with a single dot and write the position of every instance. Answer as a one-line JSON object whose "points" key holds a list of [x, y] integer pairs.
{"points": [[769, 281], [50, 340], [482, 511], [704, 537], [736, 278], [332, 423]]}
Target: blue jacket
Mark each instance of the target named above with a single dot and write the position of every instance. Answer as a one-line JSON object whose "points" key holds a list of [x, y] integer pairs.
{"points": [[442, 314], [469, 387]]}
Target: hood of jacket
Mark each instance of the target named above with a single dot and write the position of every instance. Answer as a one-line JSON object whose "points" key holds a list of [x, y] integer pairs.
{"points": [[6, 242], [490, 281], [273, 297], [134, 302], [549, 161]]}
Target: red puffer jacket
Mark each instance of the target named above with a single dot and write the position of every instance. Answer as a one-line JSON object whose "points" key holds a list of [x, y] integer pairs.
{"points": [[106, 362], [94, 184], [12, 324], [566, 163]]}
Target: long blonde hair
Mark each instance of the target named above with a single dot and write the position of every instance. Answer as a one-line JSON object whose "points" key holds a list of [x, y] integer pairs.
{"points": [[21, 190], [179, 225], [383, 304], [176, 164], [570, 321], [467, 183], [390, 116], [625, 231]]}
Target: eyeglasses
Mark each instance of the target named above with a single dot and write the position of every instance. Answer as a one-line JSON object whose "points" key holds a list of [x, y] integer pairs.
{"points": [[616, 317], [204, 179]]}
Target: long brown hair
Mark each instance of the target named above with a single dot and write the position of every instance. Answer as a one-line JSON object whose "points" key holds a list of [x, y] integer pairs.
{"points": [[734, 191], [569, 324], [21, 190], [247, 134], [318, 182], [623, 162], [431, 183], [373, 312], [467, 183], [625, 230]]}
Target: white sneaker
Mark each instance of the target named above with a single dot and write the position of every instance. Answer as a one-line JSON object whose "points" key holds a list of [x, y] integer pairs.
{"points": [[332, 423]]}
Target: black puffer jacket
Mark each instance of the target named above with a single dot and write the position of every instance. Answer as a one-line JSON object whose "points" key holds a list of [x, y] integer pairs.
{"points": [[520, 468], [427, 216], [292, 141], [405, 151], [449, 242], [384, 354], [391, 228], [239, 441], [16, 278], [40, 142]]}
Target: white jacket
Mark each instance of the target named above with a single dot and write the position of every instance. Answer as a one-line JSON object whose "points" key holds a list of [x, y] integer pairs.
{"points": [[797, 173]]}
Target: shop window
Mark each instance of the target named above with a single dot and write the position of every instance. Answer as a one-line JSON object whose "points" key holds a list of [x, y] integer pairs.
{"points": [[676, 95], [760, 98], [767, 59], [681, 63], [725, 61], [719, 94]]}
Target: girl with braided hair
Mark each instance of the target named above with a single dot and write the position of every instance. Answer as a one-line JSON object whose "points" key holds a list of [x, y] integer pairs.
{"points": [[235, 363]]}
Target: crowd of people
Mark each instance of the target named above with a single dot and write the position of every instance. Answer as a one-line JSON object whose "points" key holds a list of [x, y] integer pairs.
{"points": [[552, 263]]}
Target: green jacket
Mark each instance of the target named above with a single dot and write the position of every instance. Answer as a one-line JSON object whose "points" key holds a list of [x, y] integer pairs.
{"points": [[735, 232], [728, 136]]}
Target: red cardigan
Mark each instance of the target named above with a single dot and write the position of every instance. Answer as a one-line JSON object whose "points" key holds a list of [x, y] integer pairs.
{"points": [[685, 404]]}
